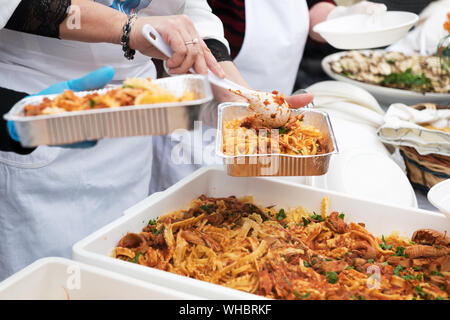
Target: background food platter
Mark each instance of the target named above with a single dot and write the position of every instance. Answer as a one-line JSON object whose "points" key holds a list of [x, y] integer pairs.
{"points": [[384, 95]]}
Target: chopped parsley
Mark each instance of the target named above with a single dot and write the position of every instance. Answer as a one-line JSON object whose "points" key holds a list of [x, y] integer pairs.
{"points": [[301, 296], [281, 215], [351, 267], [370, 261], [400, 251], [306, 221], [206, 207], [390, 61], [92, 103], [157, 232], [436, 273], [341, 216], [282, 130], [385, 246], [136, 258], [332, 277], [385, 263], [420, 292], [409, 80], [152, 222], [127, 86], [398, 269], [416, 268], [317, 217], [408, 277], [306, 264]]}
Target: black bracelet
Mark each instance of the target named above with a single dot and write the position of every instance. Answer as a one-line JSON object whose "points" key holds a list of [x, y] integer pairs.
{"points": [[128, 52]]}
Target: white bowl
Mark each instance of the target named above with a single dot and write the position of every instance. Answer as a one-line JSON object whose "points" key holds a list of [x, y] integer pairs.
{"points": [[439, 196], [361, 31]]}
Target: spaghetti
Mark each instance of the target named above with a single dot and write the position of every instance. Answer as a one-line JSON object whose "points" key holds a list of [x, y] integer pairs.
{"points": [[242, 137], [290, 254], [134, 91]]}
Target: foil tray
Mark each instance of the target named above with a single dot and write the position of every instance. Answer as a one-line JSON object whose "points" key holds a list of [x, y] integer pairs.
{"points": [[149, 119], [271, 164]]}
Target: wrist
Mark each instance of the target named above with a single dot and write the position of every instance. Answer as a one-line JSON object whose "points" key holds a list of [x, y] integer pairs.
{"points": [[116, 35]]}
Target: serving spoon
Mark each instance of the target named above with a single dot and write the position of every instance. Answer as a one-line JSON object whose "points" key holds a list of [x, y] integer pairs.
{"points": [[270, 109]]}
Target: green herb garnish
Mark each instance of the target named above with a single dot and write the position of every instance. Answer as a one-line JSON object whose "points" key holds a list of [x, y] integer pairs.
{"points": [[398, 269], [282, 130], [400, 251], [383, 245], [301, 296], [332, 277], [281, 215], [408, 80], [206, 207], [317, 217], [136, 258]]}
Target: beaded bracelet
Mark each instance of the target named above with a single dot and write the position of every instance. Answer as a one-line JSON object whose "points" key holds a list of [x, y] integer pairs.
{"points": [[128, 52]]}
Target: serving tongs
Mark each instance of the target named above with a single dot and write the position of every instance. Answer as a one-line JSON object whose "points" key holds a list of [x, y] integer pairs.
{"points": [[259, 101]]}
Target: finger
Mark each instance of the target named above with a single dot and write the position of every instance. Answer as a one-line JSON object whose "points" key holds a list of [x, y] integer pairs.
{"points": [[300, 100], [211, 62], [200, 63], [191, 54], [180, 51]]}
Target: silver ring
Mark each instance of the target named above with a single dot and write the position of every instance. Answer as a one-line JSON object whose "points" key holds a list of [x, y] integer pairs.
{"points": [[194, 41]]}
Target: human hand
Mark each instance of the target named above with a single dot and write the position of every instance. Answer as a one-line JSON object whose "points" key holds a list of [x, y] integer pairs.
{"points": [[300, 100], [94, 80], [178, 32], [363, 7]]}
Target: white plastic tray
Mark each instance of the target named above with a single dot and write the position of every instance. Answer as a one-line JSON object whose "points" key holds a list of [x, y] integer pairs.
{"points": [[379, 219], [63, 279]]}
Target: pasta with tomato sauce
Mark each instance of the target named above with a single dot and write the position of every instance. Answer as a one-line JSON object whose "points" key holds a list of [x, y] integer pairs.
{"points": [[134, 91], [290, 254]]}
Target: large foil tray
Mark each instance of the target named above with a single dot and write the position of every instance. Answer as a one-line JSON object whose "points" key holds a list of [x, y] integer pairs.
{"points": [[149, 119], [277, 164]]}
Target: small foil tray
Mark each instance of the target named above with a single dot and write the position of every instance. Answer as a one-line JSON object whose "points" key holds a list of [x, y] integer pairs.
{"points": [[276, 164], [148, 119]]}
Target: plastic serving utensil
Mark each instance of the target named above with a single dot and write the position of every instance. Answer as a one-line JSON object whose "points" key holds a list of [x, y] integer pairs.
{"points": [[272, 110]]}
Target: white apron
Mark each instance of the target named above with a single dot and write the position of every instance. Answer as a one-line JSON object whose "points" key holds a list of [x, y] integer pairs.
{"points": [[55, 196], [282, 23], [275, 36]]}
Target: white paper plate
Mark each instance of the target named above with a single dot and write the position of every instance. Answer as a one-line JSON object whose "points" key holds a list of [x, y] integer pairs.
{"points": [[439, 196], [361, 31], [385, 95]]}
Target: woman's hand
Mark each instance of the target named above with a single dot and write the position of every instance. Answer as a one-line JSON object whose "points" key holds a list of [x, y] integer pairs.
{"points": [[299, 100], [178, 32]]}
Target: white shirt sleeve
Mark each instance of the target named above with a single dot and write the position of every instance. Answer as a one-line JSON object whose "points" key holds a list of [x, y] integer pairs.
{"points": [[7, 8], [207, 24]]}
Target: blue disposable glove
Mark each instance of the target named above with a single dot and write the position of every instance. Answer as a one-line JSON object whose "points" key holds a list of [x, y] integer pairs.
{"points": [[94, 80]]}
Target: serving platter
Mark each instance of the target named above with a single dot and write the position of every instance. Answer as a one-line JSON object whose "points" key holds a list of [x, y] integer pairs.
{"points": [[384, 95], [379, 218]]}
